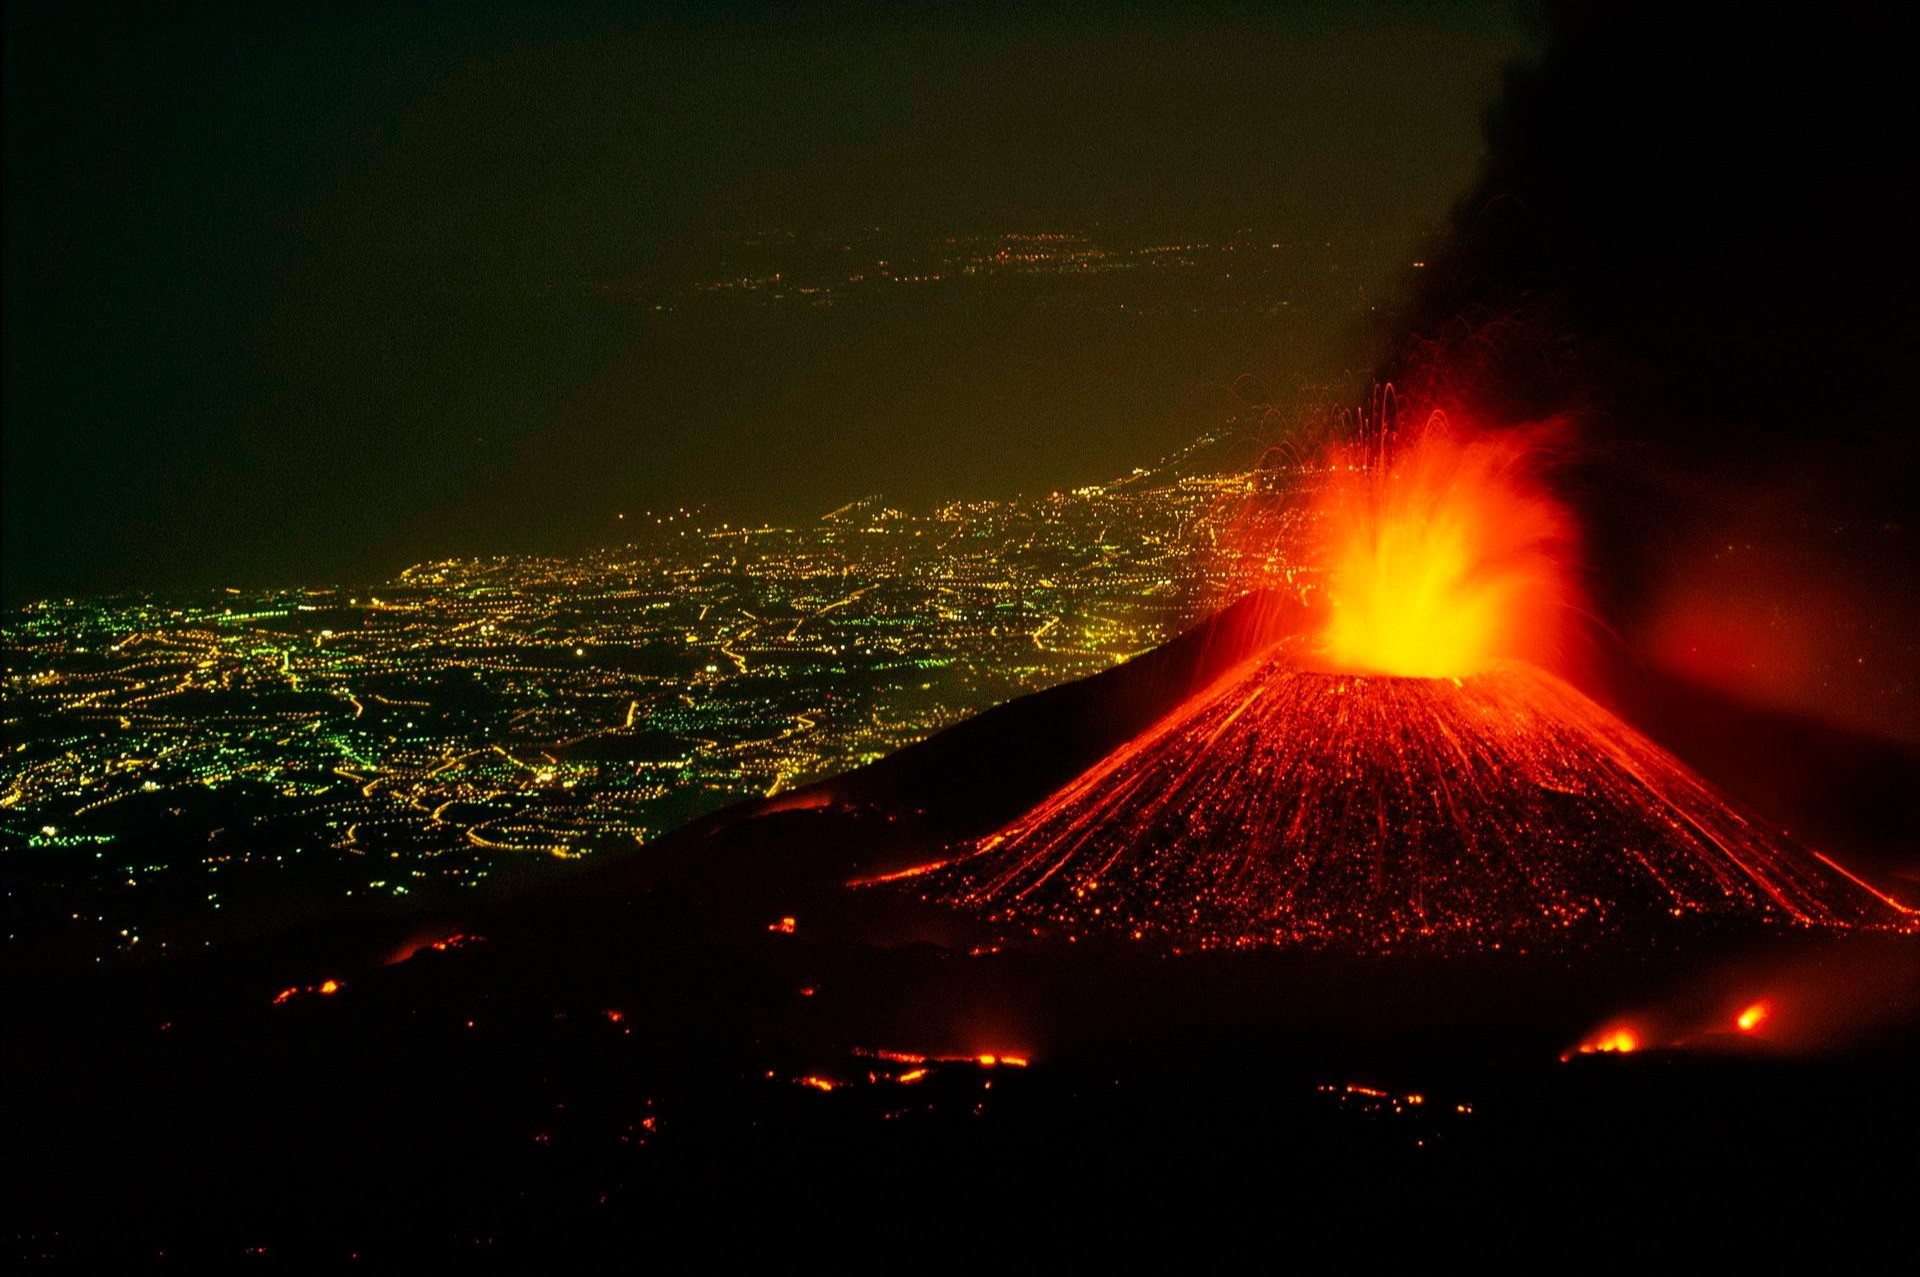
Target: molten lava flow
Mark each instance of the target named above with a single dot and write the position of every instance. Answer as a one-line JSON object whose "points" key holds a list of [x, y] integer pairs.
{"points": [[327, 987], [1284, 806], [1444, 554], [1619, 1039]]}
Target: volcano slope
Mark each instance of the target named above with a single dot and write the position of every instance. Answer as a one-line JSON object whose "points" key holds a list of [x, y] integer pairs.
{"points": [[715, 1030], [1367, 813]]}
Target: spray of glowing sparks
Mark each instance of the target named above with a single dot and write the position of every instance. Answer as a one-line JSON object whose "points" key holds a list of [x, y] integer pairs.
{"points": [[1353, 811], [1408, 774], [1445, 554]]}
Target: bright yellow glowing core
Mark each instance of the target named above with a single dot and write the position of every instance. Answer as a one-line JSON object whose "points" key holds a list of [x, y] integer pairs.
{"points": [[1444, 557], [1623, 1041]]}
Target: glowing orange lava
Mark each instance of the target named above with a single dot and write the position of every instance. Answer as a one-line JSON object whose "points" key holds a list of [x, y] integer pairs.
{"points": [[1359, 812], [1621, 1040], [1445, 553], [327, 987], [1618, 1040]]}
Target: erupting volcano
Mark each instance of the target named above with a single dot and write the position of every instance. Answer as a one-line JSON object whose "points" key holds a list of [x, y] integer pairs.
{"points": [[1408, 770]]}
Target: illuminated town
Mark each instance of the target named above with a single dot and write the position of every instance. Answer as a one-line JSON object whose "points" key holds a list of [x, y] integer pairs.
{"points": [[172, 762], [1246, 272]]}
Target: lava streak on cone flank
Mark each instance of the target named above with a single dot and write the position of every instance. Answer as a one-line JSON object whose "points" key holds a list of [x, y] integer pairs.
{"points": [[1367, 813], [1417, 777]]}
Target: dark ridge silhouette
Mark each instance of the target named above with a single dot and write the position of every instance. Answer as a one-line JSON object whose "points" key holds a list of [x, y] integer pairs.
{"points": [[957, 784], [994, 765]]}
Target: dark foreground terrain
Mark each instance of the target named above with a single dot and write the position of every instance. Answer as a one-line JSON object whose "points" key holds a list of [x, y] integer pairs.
{"points": [[579, 1090], [718, 1044]]}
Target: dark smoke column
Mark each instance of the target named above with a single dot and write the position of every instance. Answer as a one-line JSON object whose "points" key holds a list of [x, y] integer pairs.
{"points": [[1691, 232]]}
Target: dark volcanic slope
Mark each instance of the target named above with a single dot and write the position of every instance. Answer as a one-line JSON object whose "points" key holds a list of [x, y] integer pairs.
{"points": [[1365, 813], [718, 1033], [973, 777], [984, 771]]}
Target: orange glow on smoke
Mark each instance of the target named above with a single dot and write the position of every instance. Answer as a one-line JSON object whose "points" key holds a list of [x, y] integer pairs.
{"points": [[1445, 553], [1753, 1017]]}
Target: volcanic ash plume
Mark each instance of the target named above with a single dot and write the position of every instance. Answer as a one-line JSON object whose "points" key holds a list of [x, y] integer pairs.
{"points": [[1403, 776]]}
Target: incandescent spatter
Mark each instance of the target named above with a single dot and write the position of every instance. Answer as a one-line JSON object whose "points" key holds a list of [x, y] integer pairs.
{"points": [[1367, 812]]}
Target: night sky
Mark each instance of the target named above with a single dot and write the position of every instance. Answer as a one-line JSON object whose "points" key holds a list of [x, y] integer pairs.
{"points": [[308, 293]]}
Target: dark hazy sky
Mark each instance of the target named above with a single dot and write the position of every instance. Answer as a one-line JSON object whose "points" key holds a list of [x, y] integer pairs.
{"points": [[277, 285]]}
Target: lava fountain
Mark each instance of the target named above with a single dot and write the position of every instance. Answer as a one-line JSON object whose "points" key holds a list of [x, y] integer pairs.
{"points": [[1407, 771], [1446, 555]]}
